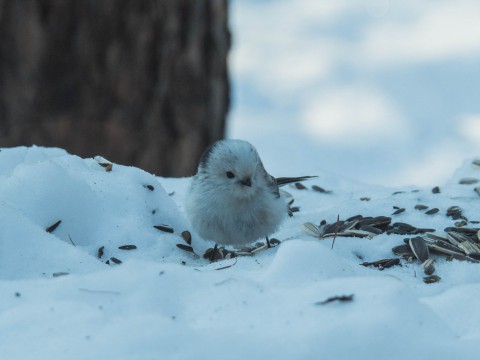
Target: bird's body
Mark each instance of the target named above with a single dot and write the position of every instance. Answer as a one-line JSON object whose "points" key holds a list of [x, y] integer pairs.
{"points": [[232, 199]]}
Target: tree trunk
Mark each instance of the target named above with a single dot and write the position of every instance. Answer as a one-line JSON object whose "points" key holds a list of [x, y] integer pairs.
{"points": [[139, 82]]}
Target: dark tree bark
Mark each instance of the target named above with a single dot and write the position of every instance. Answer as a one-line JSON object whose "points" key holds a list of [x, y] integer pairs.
{"points": [[140, 82]]}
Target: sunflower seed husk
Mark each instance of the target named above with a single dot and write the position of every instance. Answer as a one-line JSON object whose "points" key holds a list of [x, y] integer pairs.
{"points": [[341, 298], [365, 198], [468, 181], [402, 250], [442, 246], [431, 279], [60, 273], [434, 236], [348, 225], [429, 266], [371, 229], [311, 229], [462, 230], [455, 212], [164, 228], [469, 247], [419, 248], [355, 217], [421, 207], [100, 251], [300, 186], [274, 242], [403, 229], [52, 227], [460, 223], [432, 211], [383, 263], [455, 238], [115, 260], [462, 257], [320, 189], [107, 166], [214, 254], [185, 248], [259, 248], [127, 247], [436, 190], [378, 222], [187, 236], [398, 211], [342, 234], [358, 233]]}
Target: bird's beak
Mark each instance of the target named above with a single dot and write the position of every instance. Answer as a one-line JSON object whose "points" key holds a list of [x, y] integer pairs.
{"points": [[246, 182]]}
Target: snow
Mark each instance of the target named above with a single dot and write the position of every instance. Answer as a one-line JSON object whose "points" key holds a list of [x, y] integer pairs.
{"points": [[162, 302]]}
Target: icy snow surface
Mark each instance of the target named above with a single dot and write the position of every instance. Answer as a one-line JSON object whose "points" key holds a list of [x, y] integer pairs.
{"points": [[162, 303]]}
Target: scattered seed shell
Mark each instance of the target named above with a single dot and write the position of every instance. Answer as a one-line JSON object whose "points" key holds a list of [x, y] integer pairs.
{"points": [[52, 227], [300, 186], [421, 207], [311, 229], [398, 211], [476, 163], [468, 181], [149, 187], [442, 246], [127, 247], [341, 298], [469, 248], [382, 264], [419, 248], [115, 260], [274, 242], [402, 250], [429, 266], [185, 248], [100, 251], [164, 228], [107, 166], [187, 236], [431, 279], [436, 190], [60, 273], [432, 211], [319, 189]]}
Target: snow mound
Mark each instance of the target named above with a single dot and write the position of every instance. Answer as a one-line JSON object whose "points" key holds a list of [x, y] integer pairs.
{"points": [[97, 208]]}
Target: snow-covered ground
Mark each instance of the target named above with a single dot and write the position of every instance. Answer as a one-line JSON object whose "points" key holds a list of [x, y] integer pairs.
{"points": [[59, 300]]}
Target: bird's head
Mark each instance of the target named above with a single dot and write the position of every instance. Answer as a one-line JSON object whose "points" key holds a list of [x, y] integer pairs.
{"points": [[233, 167]]}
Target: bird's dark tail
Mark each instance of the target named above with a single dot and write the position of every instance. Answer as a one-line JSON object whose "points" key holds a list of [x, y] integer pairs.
{"points": [[288, 180]]}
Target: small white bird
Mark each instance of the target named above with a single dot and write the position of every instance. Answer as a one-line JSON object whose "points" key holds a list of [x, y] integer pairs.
{"points": [[233, 200]]}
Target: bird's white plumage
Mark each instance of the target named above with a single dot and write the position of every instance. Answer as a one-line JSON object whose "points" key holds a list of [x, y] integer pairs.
{"points": [[232, 199]]}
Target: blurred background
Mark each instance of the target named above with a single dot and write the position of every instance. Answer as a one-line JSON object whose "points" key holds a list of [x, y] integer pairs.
{"points": [[385, 92]]}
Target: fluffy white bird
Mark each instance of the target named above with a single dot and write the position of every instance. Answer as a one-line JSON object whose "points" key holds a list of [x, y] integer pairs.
{"points": [[232, 199]]}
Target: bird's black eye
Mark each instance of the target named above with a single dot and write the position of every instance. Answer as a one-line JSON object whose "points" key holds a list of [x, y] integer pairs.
{"points": [[230, 174]]}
